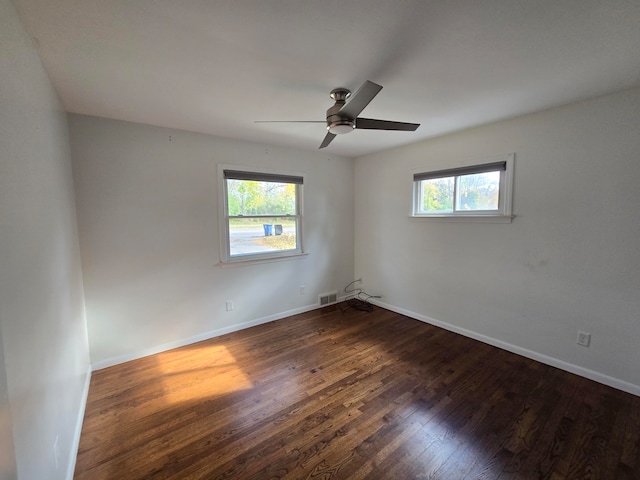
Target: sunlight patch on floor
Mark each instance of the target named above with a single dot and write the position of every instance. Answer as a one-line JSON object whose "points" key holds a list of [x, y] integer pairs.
{"points": [[212, 372]]}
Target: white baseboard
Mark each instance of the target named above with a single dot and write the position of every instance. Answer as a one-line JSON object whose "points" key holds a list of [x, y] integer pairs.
{"points": [[75, 442], [109, 362], [554, 362]]}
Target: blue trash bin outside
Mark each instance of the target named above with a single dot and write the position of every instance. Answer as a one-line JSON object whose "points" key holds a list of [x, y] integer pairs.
{"points": [[268, 229]]}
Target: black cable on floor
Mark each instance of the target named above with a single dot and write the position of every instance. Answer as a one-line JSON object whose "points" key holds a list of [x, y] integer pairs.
{"points": [[357, 298]]}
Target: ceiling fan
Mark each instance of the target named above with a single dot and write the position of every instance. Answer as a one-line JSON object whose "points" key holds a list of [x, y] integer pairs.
{"points": [[343, 116]]}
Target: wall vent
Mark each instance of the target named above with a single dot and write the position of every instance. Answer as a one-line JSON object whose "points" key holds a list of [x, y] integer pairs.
{"points": [[328, 298]]}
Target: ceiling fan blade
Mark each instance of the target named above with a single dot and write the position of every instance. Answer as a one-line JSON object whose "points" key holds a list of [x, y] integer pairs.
{"points": [[289, 121], [360, 99], [327, 140], [373, 124]]}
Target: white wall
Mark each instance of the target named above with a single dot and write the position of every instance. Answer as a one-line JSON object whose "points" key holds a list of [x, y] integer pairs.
{"points": [[45, 363], [569, 261], [7, 452], [147, 215]]}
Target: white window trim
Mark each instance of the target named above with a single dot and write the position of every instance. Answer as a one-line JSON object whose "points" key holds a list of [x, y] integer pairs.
{"points": [[226, 260], [504, 214]]}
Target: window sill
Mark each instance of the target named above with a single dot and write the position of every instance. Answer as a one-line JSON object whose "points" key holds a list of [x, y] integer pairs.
{"points": [[254, 261], [465, 218]]}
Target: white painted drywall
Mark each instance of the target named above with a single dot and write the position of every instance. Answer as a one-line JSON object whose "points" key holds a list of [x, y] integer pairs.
{"points": [[42, 325], [569, 261], [7, 452], [148, 221]]}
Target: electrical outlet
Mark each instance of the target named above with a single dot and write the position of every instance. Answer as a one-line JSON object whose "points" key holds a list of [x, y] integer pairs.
{"points": [[301, 290], [229, 305], [584, 339]]}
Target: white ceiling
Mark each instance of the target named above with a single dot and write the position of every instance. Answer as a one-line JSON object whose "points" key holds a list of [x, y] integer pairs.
{"points": [[216, 66]]}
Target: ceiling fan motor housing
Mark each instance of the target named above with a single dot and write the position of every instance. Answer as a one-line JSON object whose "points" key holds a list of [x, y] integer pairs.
{"points": [[338, 124]]}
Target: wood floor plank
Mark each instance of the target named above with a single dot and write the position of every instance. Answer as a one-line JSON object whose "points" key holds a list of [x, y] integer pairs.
{"points": [[333, 394]]}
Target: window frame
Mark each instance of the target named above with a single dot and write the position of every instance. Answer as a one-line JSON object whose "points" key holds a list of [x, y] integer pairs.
{"points": [[257, 174], [503, 214]]}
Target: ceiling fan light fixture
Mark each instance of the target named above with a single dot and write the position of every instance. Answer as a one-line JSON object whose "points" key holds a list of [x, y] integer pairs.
{"points": [[340, 128]]}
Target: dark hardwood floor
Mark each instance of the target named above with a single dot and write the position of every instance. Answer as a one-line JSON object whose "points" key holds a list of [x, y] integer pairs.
{"points": [[333, 395]]}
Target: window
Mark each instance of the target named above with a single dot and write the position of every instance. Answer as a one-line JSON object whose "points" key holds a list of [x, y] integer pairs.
{"points": [[473, 191], [262, 215]]}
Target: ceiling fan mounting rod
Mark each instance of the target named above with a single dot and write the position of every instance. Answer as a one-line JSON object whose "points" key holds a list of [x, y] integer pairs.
{"points": [[340, 94]]}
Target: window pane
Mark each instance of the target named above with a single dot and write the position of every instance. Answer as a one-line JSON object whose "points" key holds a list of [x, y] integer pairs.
{"points": [[260, 235], [248, 197], [436, 195], [479, 191]]}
